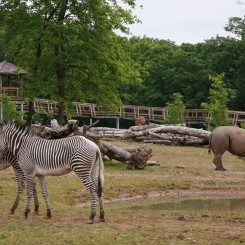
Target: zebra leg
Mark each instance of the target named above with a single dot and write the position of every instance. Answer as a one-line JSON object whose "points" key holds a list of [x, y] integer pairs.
{"points": [[20, 187], [93, 192], [36, 202], [45, 194], [30, 187], [83, 174], [102, 212], [93, 204]]}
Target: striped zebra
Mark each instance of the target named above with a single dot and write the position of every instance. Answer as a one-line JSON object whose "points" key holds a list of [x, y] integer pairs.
{"points": [[6, 160], [39, 157]]}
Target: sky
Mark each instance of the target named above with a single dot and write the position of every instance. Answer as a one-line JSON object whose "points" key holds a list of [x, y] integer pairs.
{"points": [[189, 21]]}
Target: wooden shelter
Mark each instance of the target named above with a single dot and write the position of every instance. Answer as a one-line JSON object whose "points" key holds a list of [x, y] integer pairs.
{"points": [[13, 89], [7, 72]]}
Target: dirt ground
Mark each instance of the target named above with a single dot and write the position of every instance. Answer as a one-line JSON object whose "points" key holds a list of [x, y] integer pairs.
{"points": [[187, 173], [182, 201]]}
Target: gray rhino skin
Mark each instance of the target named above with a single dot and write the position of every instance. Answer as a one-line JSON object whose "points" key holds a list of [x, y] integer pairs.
{"points": [[226, 138]]}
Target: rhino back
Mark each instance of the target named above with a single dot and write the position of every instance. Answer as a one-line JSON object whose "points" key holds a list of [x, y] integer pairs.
{"points": [[229, 138]]}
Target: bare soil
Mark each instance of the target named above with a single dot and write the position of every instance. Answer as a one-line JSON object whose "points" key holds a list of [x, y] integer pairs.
{"points": [[133, 200]]}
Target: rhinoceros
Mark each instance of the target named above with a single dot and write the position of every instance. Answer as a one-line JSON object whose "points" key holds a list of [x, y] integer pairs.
{"points": [[226, 138]]}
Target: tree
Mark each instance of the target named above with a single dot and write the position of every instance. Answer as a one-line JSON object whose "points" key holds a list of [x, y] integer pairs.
{"points": [[218, 99], [69, 48], [221, 55], [9, 110], [236, 25], [1, 43], [176, 110], [166, 68]]}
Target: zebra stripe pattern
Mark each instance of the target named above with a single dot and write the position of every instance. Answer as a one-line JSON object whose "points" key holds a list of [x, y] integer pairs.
{"points": [[6, 160], [38, 156]]}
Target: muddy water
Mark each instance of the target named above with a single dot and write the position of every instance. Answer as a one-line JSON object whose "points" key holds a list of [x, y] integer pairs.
{"points": [[158, 202], [209, 204]]}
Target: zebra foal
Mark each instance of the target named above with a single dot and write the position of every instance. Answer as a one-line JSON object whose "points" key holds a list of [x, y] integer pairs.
{"points": [[39, 157], [7, 160]]}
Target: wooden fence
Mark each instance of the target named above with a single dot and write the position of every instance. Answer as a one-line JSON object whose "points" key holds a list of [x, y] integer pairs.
{"points": [[154, 114]]}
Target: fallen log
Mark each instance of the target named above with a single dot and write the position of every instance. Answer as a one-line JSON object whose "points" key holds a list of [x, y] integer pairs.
{"points": [[134, 132], [158, 141], [56, 131], [109, 132], [200, 133], [175, 135], [136, 159], [144, 127]]}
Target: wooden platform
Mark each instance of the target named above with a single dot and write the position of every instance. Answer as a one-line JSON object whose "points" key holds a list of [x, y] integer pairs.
{"points": [[131, 112]]}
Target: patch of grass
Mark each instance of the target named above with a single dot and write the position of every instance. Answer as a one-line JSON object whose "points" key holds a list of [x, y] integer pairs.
{"points": [[187, 171]]}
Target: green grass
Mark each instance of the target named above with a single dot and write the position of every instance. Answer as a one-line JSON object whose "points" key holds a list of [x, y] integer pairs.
{"points": [[185, 172]]}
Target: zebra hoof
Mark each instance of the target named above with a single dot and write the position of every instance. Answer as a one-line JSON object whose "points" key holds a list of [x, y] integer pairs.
{"points": [[49, 216], [102, 217], [27, 211], [36, 210], [220, 168], [91, 221], [11, 211]]}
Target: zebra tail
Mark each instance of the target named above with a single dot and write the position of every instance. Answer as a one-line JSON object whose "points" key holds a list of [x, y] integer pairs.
{"points": [[101, 174]]}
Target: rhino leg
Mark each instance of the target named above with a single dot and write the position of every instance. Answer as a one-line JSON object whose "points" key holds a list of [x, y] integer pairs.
{"points": [[218, 163]]}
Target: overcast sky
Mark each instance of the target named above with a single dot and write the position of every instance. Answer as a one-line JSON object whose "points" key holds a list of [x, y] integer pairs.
{"points": [[181, 21]]}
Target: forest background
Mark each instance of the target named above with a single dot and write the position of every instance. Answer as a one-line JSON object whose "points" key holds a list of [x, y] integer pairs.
{"points": [[72, 53]]}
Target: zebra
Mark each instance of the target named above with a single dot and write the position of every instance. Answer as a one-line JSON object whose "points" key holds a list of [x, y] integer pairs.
{"points": [[40, 157], [6, 160]]}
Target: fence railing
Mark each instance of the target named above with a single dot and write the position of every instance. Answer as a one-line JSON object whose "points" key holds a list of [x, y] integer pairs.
{"points": [[11, 92], [157, 114]]}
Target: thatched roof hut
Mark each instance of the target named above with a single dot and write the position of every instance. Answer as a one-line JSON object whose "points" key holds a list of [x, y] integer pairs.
{"points": [[8, 70]]}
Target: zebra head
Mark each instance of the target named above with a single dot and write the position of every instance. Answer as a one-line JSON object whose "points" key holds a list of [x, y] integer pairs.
{"points": [[11, 136], [2, 141]]}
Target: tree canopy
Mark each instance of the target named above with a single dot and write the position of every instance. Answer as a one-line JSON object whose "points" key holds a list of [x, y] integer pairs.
{"points": [[72, 53], [69, 48], [167, 68]]}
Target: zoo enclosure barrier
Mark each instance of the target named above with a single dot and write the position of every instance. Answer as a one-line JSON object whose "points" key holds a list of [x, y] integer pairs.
{"points": [[131, 112]]}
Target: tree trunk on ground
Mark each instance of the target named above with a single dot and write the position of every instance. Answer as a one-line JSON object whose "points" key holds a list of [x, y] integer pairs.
{"points": [[134, 158], [56, 131], [175, 135]]}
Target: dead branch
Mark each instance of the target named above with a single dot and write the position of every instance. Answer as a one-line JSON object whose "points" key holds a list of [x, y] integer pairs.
{"points": [[136, 159]]}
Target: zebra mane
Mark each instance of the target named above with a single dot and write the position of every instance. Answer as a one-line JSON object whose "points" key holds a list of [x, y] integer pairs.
{"points": [[20, 127]]}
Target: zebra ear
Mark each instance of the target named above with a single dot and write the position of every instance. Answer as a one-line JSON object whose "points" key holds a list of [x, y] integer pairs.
{"points": [[2, 124]]}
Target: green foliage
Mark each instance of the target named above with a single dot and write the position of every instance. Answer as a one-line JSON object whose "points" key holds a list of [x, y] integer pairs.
{"points": [[236, 25], [176, 110], [9, 110], [242, 125], [72, 54], [218, 99], [70, 48], [166, 68]]}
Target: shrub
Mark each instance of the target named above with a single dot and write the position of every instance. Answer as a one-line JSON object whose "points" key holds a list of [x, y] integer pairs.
{"points": [[175, 110]]}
